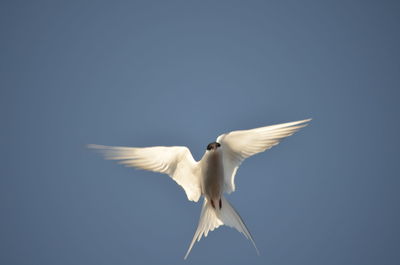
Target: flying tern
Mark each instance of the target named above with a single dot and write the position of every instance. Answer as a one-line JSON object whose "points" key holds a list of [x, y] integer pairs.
{"points": [[210, 177]]}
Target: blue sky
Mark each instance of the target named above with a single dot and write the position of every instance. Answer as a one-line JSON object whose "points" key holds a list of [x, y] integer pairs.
{"points": [[142, 73]]}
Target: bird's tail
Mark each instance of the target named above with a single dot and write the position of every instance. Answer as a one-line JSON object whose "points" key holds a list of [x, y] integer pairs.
{"points": [[211, 218]]}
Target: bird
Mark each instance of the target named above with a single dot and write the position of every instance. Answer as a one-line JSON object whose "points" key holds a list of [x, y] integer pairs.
{"points": [[212, 176]]}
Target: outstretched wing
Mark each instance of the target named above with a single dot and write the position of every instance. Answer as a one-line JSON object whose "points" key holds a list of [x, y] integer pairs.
{"points": [[239, 145], [176, 161]]}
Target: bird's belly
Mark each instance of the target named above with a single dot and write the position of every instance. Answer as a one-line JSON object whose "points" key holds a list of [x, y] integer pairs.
{"points": [[214, 178]]}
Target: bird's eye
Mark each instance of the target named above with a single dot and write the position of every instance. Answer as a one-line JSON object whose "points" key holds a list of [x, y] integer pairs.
{"points": [[218, 145]]}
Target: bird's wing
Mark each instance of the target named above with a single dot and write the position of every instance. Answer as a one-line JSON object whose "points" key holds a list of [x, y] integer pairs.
{"points": [[176, 161], [239, 145]]}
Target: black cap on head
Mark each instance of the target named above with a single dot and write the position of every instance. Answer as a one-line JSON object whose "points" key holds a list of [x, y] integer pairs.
{"points": [[212, 146]]}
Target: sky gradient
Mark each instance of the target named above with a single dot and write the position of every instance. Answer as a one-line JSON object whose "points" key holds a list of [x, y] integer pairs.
{"points": [[143, 73]]}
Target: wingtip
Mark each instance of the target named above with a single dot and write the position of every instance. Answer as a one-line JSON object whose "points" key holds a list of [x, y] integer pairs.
{"points": [[306, 120], [304, 123], [94, 146], [295, 124]]}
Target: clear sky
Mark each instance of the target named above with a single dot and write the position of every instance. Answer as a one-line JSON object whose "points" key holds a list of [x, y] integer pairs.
{"points": [[181, 73]]}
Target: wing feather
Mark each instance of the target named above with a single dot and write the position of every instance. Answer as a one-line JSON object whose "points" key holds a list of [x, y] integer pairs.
{"points": [[175, 161], [239, 145]]}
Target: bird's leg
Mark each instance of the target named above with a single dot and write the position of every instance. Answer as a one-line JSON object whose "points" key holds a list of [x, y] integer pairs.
{"points": [[212, 204], [220, 203]]}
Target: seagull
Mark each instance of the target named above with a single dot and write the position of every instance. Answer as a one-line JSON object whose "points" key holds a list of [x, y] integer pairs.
{"points": [[210, 177]]}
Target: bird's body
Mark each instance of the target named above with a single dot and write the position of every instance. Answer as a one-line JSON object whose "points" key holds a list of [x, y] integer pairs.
{"points": [[210, 177]]}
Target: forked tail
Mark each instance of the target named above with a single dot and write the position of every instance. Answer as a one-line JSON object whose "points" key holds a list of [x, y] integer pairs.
{"points": [[211, 218]]}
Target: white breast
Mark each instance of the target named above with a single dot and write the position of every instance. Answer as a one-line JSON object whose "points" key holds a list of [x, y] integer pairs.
{"points": [[213, 174]]}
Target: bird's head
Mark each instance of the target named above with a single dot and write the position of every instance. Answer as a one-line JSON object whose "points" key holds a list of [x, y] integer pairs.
{"points": [[213, 146]]}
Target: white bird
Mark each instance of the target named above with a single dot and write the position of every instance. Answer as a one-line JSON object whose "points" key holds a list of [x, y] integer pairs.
{"points": [[210, 177]]}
